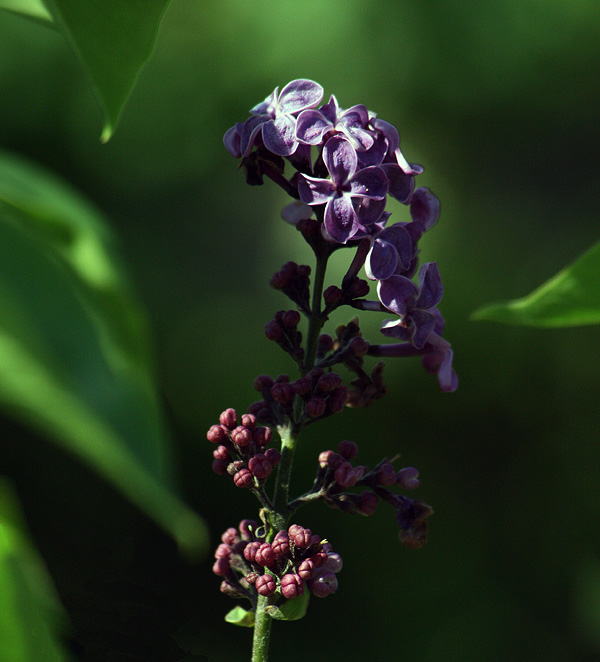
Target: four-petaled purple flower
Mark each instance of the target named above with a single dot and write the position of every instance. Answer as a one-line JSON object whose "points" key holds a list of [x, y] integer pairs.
{"points": [[314, 125], [415, 306], [347, 183], [276, 116]]}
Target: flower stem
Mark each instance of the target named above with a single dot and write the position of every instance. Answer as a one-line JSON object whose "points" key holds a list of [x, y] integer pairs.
{"points": [[315, 320], [262, 632]]}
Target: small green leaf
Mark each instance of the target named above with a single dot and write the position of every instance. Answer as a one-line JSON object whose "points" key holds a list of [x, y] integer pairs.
{"points": [[31, 617], [290, 610], [240, 616], [113, 40], [75, 358], [35, 9], [570, 298]]}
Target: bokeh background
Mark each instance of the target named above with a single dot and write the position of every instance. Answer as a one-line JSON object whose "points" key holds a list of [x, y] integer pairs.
{"points": [[499, 101]]}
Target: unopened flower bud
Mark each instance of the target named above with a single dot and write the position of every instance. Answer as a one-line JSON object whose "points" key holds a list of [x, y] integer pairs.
{"points": [[263, 381], [273, 330], [332, 295], [247, 528], [291, 586], [337, 400], [273, 456], [243, 478], [367, 503], [250, 551], [306, 569], [265, 585], [221, 567], [249, 421], [220, 467], [290, 319], [241, 436], [358, 346], [260, 466], [347, 476], [386, 475], [348, 449], [360, 288], [282, 392], [315, 407], [216, 433], [262, 436], [265, 555], [300, 536], [325, 344], [231, 536], [301, 386], [324, 584], [229, 418], [333, 563], [281, 543], [329, 382]]}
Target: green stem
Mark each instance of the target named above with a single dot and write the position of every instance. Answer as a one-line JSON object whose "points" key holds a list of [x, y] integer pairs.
{"points": [[315, 320], [282, 483], [262, 632]]}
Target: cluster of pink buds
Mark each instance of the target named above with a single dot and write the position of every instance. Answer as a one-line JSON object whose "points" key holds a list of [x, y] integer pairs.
{"points": [[242, 449], [295, 559]]}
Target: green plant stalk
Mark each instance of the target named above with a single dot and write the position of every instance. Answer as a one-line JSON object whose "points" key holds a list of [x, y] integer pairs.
{"points": [[278, 518]]}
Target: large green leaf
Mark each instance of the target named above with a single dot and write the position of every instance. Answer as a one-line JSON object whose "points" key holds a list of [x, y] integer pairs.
{"points": [[571, 298], [31, 8], [31, 618], [74, 352], [113, 39]]}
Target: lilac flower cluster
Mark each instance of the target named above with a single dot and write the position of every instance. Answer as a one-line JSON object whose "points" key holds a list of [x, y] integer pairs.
{"points": [[348, 161], [242, 449], [336, 474], [294, 560]]}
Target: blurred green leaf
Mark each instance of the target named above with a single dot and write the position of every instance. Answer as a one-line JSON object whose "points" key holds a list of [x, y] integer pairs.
{"points": [[571, 298], [113, 39], [75, 360], [240, 616], [31, 8], [31, 617]]}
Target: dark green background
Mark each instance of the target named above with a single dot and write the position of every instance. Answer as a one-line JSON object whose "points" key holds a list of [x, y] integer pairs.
{"points": [[499, 101]]}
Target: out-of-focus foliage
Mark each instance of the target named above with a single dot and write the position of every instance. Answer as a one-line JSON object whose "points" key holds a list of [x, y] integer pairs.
{"points": [[112, 39], [74, 354], [499, 102], [32, 622], [570, 298]]}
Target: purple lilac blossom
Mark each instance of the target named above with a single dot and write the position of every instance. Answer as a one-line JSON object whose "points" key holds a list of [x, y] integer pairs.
{"points": [[275, 117], [314, 126], [415, 306], [347, 183]]}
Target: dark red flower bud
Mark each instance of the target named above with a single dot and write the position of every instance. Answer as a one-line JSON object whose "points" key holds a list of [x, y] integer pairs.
{"points": [[324, 458], [301, 386], [273, 455], [337, 400], [250, 551], [325, 343], [247, 528], [251, 578], [307, 569], [265, 555], [282, 392], [243, 478], [290, 319], [241, 436], [367, 503], [221, 567], [220, 467], [221, 453], [324, 584], [262, 436], [231, 536], [249, 421], [229, 418], [281, 543], [223, 551], [360, 288], [332, 295], [260, 466], [329, 382], [348, 449], [263, 381], [291, 586], [300, 536], [358, 346], [347, 476], [265, 585], [273, 330], [315, 407], [216, 433]]}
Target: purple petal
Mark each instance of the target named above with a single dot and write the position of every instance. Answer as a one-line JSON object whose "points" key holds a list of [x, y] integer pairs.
{"points": [[314, 191], [232, 142], [376, 154], [370, 211], [279, 135], [369, 182], [397, 329], [401, 184], [340, 221], [300, 94], [331, 109], [250, 131], [353, 123], [439, 360], [267, 106], [311, 125], [341, 160], [430, 286], [381, 261], [398, 236], [397, 294], [422, 325], [424, 208]]}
